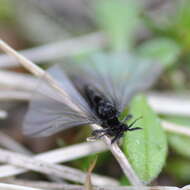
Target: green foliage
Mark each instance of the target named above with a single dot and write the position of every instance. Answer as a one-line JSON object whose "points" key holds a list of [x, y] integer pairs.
{"points": [[119, 20], [179, 143], [146, 149], [164, 50], [179, 169], [84, 163], [177, 27], [5, 9], [183, 22], [124, 181]]}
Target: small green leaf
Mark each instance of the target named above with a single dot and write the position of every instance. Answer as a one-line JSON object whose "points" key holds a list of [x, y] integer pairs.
{"points": [[146, 149], [119, 19], [161, 49], [124, 181], [179, 143]]}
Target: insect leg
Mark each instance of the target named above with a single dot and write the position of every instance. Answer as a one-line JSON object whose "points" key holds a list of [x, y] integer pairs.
{"points": [[135, 128], [101, 132], [96, 132], [134, 123], [117, 137]]}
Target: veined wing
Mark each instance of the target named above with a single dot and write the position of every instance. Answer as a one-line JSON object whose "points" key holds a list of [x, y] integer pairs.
{"points": [[117, 76], [49, 111]]}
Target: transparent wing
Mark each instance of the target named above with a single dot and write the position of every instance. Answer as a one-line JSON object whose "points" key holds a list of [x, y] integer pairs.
{"points": [[49, 111], [116, 76]]}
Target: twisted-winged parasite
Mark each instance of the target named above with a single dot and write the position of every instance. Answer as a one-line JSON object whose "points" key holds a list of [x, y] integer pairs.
{"points": [[99, 88]]}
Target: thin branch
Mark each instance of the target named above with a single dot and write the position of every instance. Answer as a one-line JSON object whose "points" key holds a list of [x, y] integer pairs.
{"points": [[56, 186], [60, 171], [57, 50], [29, 65], [170, 104]]}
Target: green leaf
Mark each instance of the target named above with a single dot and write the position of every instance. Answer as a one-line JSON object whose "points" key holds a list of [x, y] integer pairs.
{"points": [[161, 49], [146, 149], [119, 19], [179, 143]]}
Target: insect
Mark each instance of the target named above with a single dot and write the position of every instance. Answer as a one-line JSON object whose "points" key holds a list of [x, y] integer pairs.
{"points": [[98, 90], [108, 114]]}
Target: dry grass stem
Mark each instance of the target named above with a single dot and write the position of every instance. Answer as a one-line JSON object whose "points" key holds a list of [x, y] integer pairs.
{"points": [[127, 169], [3, 114], [14, 95], [56, 186], [175, 128], [18, 81], [57, 50], [10, 144], [59, 171], [187, 187], [170, 104], [4, 186], [59, 155]]}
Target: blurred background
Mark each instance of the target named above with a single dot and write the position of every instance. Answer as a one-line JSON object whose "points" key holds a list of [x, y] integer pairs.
{"points": [[48, 31]]}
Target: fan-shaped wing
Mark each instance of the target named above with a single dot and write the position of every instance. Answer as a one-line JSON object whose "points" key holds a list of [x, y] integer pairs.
{"points": [[116, 76], [49, 111]]}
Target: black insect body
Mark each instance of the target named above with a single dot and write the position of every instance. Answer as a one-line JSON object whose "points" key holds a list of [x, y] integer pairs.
{"points": [[94, 93], [108, 115]]}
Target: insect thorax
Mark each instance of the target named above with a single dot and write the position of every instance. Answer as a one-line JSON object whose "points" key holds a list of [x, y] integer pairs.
{"points": [[103, 108]]}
